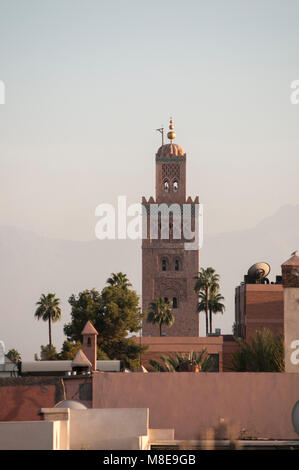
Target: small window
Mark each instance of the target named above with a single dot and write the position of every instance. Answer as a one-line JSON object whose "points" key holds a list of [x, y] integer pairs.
{"points": [[177, 265], [165, 299], [88, 341], [164, 265], [166, 186], [175, 186], [174, 302]]}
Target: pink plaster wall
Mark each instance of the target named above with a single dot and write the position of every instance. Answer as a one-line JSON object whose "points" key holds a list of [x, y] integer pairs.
{"points": [[260, 403]]}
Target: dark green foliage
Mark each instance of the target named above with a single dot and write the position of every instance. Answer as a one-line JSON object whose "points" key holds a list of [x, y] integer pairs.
{"points": [[263, 353], [207, 288], [14, 355], [48, 353], [119, 280], [69, 350], [85, 307], [160, 313], [178, 361], [48, 310], [114, 312]]}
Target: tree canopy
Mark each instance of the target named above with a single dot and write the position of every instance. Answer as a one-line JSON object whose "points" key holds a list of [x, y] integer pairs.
{"points": [[114, 312]]}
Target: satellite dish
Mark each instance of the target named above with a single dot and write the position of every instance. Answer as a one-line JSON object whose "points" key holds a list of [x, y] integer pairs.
{"points": [[295, 417], [259, 270]]}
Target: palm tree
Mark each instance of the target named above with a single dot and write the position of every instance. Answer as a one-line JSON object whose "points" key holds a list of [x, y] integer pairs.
{"points": [[119, 280], [215, 304], [178, 361], [48, 310], [264, 352], [160, 313], [207, 280]]}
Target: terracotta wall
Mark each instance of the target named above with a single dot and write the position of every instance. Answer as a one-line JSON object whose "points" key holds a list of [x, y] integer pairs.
{"points": [[22, 398], [260, 404], [259, 306], [79, 388]]}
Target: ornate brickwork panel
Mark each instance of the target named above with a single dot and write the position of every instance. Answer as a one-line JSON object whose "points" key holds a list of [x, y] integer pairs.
{"points": [[171, 286], [170, 171]]}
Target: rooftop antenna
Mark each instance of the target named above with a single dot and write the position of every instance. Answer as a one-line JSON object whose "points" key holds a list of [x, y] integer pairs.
{"points": [[161, 130]]}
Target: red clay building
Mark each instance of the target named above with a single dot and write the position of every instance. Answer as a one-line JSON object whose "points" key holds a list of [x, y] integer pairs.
{"points": [[258, 306]]}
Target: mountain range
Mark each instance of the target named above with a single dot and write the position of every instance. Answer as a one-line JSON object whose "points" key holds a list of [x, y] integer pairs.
{"points": [[32, 265]]}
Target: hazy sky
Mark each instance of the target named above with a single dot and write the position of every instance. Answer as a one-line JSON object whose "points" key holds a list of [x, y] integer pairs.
{"points": [[88, 82]]}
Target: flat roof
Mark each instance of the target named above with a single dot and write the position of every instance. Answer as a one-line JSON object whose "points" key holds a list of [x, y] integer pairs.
{"points": [[66, 366]]}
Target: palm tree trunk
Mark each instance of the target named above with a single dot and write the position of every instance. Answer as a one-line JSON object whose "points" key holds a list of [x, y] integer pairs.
{"points": [[211, 321], [207, 310], [50, 332]]}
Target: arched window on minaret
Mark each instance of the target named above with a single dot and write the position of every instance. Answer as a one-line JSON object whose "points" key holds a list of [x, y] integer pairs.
{"points": [[166, 186], [175, 186], [164, 264], [175, 302], [177, 265]]}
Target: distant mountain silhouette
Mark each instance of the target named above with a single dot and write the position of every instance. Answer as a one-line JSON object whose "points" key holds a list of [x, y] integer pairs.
{"points": [[32, 265]]}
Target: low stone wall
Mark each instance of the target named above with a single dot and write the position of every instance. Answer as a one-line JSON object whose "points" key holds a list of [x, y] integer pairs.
{"points": [[245, 404]]}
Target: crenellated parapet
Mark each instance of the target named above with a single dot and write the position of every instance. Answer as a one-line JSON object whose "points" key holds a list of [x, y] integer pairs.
{"points": [[151, 200]]}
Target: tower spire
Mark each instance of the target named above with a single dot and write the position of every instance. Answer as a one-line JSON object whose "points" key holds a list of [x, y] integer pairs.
{"points": [[171, 133]]}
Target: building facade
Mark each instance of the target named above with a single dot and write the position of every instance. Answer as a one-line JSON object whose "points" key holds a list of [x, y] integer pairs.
{"points": [[258, 306]]}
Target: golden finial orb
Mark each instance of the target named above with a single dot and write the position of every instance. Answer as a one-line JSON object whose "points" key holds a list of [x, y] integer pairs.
{"points": [[171, 133]]}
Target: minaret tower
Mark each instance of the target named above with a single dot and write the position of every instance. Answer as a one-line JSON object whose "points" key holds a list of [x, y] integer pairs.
{"points": [[168, 267]]}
